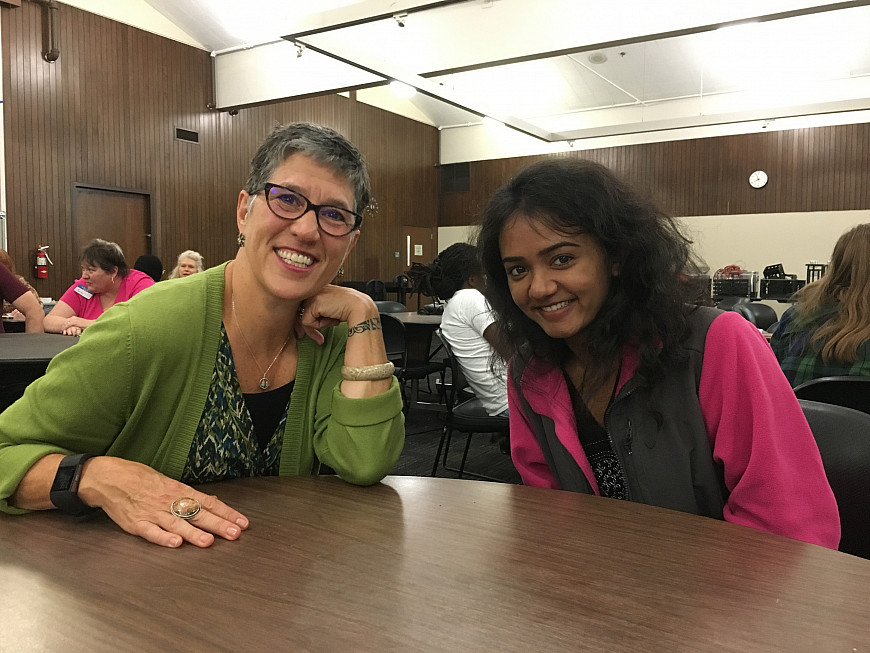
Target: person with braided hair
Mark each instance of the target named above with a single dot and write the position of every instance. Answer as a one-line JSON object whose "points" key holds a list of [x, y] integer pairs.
{"points": [[469, 325]]}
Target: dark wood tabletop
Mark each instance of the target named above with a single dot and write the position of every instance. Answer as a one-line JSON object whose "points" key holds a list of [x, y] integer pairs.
{"points": [[18, 348], [428, 564]]}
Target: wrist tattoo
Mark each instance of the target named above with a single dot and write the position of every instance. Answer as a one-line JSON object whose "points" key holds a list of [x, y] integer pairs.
{"points": [[371, 324]]}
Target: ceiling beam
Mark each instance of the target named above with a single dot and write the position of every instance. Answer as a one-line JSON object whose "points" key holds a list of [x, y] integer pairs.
{"points": [[361, 13], [436, 91]]}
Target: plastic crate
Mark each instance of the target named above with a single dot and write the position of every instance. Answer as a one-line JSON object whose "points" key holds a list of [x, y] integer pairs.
{"points": [[745, 285], [780, 289]]}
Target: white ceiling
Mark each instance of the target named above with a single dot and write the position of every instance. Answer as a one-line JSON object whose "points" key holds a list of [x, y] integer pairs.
{"points": [[555, 69]]}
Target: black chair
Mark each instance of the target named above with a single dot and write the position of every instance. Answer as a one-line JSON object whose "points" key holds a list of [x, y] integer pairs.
{"points": [[763, 315], [395, 341], [843, 437], [728, 303], [464, 415], [387, 306], [849, 391], [743, 309], [376, 289], [771, 328]]}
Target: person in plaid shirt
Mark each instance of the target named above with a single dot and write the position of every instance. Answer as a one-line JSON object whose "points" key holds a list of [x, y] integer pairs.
{"points": [[827, 331]]}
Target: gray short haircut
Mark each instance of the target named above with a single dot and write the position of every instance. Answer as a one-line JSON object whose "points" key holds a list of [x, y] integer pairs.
{"points": [[322, 144]]}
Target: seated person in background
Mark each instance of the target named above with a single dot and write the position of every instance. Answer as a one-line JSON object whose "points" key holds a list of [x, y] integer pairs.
{"points": [[618, 386], [469, 325], [150, 265], [106, 280], [189, 262], [248, 369], [20, 296], [827, 331]]}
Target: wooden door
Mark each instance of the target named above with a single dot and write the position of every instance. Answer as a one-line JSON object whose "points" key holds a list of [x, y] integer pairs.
{"points": [[120, 216], [420, 245]]}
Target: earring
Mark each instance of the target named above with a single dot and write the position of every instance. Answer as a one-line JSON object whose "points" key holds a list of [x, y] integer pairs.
{"points": [[340, 273], [241, 240]]}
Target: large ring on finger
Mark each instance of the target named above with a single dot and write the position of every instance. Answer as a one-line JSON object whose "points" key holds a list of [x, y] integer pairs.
{"points": [[185, 507]]}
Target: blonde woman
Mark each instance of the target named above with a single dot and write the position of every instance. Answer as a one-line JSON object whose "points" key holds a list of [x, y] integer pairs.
{"points": [[827, 331]]}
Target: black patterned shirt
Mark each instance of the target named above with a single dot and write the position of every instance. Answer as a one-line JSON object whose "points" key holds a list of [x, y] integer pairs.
{"points": [[225, 445]]}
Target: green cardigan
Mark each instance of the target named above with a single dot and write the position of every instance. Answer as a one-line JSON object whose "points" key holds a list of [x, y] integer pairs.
{"points": [[135, 385]]}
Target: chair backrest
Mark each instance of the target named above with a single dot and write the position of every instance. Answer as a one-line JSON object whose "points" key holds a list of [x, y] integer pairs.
{"points": [[376, 289], [387, 306], [458, 381], [728, 303], [763, 314], [849, 391], [843, 437], [394, 339], [743, 309]]}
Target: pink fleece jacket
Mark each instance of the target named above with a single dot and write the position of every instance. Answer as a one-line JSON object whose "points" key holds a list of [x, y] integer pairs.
{"points": [[755, 426]]}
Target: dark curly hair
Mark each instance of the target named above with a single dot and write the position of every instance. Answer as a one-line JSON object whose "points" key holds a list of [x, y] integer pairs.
{"points": [[647, 302], [449, 272]]}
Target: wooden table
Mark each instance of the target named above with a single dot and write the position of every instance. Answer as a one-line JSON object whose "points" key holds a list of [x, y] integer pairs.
{"points": [[24, 358], [428, 564], [415, 319]]}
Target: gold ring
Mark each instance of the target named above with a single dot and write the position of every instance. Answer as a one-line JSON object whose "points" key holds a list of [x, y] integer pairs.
{"points": [[186, 508]]}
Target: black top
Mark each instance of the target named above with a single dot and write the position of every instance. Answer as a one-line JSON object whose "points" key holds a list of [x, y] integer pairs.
{"points": [[598, 448], [267, 409]]}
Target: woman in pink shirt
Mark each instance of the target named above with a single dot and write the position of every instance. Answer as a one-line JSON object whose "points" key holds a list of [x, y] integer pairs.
{"points": [[106, 280]]}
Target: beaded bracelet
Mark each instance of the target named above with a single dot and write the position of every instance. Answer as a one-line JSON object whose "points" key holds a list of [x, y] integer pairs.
{"points": [[368, 373]]}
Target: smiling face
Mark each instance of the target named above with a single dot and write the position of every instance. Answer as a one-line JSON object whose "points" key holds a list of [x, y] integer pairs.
{"points": [[559, 281], [294, 259], [186, 267], [97, 279]]}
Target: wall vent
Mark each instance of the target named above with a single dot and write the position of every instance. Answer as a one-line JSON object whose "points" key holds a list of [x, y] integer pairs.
{"points": [[455, 178], [187, 135]]}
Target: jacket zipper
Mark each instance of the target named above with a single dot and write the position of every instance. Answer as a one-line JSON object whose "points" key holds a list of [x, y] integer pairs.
{"points": [[627, 444]]}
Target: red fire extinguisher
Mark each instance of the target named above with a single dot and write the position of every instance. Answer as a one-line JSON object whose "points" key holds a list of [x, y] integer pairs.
{"points": [[42, 262]]}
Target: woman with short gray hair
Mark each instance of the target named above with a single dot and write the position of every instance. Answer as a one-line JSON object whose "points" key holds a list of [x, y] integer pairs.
{"points": [[256, 367]]}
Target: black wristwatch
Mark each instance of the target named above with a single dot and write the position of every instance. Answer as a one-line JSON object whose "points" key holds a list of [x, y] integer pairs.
{"points": [[64, 490]]}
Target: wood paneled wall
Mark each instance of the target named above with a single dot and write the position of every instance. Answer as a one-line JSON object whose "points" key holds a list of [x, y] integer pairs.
{"points": [[105, 114], [818, 169]]}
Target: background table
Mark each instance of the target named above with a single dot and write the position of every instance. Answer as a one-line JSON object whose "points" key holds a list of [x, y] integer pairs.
{"points": [[422, 564], [24, 358]]}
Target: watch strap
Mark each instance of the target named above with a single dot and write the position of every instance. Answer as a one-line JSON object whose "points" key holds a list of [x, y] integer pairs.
{"points": [[64, 490]]}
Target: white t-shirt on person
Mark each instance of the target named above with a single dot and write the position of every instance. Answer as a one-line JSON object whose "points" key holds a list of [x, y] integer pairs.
{"points": [[465, 318]]}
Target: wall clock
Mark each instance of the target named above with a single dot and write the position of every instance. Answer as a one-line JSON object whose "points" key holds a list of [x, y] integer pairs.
{"points": [[758, 179]]}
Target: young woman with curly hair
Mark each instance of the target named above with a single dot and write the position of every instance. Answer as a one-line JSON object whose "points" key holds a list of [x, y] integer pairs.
{"points": [[618, 385]]}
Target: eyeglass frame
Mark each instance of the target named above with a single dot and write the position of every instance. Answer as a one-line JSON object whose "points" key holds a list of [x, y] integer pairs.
{"points": [[310, 206]]}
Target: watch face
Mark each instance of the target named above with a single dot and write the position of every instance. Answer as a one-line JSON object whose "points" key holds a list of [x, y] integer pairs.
{"points": [[63, 478], [758, 179]]}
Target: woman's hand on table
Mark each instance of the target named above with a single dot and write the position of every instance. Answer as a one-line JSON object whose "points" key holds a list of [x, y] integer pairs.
{"points": [[73, 326], [138, 499]]}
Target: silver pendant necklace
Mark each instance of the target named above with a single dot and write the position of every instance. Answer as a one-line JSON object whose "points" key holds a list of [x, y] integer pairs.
{"points": [[264, 382]]}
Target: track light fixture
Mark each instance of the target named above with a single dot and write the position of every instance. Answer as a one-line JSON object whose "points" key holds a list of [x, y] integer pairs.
{"points": [[400, 19], [299, 49]]}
